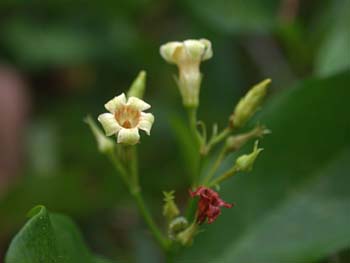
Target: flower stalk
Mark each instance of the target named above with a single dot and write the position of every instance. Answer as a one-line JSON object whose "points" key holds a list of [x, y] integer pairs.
{"points": [[126, 116], [162, 241]]}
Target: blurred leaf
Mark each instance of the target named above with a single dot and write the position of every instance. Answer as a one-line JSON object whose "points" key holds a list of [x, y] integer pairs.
{"points": [[295, 205], [37, 44], [333, 55], [102, 260], [48, 238], [237, 15]]}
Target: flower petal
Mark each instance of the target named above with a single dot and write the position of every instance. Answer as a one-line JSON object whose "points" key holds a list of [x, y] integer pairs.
{"points": [[109, 124], [115, 103], [138, 104], [168, 50], [209, 204], [194, 48], [146, 122], [221, 202], [129, 136], [197, 192], [208, 52], [212, 213]]}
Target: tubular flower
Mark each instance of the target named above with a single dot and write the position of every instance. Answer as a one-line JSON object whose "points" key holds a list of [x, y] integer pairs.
{"points": [[209, 204], [187, 55], [125, 118]]}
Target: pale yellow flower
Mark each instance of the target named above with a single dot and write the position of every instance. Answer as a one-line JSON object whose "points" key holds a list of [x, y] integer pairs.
{"points": [[125, 118], [187, 55]]}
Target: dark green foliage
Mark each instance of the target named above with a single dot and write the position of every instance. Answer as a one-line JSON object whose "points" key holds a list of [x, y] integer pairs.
{"points": [[48, 238]]}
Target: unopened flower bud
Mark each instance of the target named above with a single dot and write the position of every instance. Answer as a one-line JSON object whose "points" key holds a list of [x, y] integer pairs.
{"points": [[187, 55], [170, 209], [186, 237], [235, 142], [245, 162], [137, 88], [249, 104], [104, 144], [176, 226]]}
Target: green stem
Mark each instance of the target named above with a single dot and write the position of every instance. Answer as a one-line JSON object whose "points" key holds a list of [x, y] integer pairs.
{"points": [[223, 177], [218, 138], [163, 242], [214, 168], [191, 209], [192, 117], [130, 178], [197, 175]]}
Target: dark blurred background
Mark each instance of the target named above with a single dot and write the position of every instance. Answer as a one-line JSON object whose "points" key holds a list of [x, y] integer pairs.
{"points": [[62, 60]]}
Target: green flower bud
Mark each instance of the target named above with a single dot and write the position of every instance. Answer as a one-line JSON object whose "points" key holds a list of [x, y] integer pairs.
{"points": [[138, 87], [235, 142], [104, 144], [170, 209], [249, 104], [186, 237], [176, 226], [245, 162]]}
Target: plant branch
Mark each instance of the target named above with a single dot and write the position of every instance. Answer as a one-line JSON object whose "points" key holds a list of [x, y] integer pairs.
{"points": [[192, 118], [231, 172], [216, 139], [130, 178], [216, 165], [162, 241]]}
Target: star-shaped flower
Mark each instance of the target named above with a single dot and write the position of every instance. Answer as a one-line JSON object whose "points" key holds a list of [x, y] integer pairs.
{"points": [[125, 118]]}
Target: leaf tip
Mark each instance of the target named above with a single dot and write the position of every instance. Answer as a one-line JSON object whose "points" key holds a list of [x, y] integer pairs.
{"points": [[35, 210]]}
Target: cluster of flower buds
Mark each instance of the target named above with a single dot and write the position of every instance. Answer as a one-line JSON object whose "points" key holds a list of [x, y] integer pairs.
{"points": [[208, 210], [126, 116]]}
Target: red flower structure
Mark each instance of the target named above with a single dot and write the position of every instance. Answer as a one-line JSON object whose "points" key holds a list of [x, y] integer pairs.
{"points": [[209, 204]]}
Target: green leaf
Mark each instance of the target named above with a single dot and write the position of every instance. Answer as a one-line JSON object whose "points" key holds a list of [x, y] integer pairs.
{"points": [[48, 238], [238, 15], [295, 205], [52, 44], [333, 55]]}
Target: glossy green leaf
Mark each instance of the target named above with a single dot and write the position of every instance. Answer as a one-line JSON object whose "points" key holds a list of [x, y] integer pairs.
{"points": [[48, 238], [295, 205]]}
